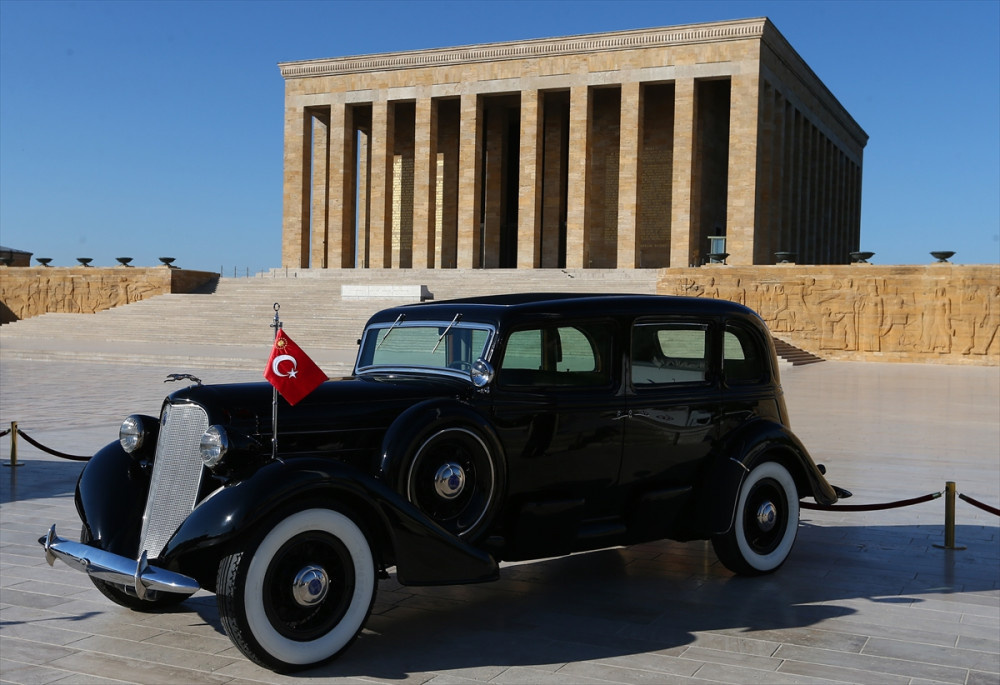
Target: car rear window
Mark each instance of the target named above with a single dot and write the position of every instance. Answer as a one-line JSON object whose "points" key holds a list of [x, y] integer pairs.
{"points": [[742, 360]]}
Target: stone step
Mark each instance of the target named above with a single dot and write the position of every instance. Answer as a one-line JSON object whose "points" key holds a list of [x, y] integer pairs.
{"points": [[794, 355]]}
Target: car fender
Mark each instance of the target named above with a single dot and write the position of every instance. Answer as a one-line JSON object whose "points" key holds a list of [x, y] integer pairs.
{"points": [[427, 418], [757, 441], [110, 498], [423, 553]]}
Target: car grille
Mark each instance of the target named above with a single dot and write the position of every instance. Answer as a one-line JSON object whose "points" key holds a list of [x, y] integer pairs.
{"points": [[177, 472]]}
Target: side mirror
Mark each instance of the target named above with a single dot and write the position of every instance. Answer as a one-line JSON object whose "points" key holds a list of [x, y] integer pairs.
{"points": [[481, 373]]}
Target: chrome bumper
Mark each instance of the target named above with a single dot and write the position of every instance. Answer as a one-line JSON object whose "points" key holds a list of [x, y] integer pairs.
{"points": [[132, 574]]}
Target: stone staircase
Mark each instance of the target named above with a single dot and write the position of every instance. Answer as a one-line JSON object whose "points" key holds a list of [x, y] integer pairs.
{"points": [[794, 355], [230, 324]]}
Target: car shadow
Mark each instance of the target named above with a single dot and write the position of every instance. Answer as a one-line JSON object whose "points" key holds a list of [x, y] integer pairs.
{"points": [[658, 597]]}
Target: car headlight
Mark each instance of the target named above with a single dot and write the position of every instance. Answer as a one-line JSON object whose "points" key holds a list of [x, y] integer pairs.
{"points": [[137, 430], [214, 445]]}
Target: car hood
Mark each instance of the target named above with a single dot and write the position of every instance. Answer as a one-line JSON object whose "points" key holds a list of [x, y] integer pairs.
{"points": [[347, 416]]}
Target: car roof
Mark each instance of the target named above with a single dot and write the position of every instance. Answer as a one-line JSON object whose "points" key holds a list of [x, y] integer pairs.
{"points": [[499, 309]]}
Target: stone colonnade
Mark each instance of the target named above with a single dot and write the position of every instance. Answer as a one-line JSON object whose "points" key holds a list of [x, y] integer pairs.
{"points": [[619, 150]]}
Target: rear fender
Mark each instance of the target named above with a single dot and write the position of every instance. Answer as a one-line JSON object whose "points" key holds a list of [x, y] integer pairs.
{"points": [[423, 553], [756, 442]]}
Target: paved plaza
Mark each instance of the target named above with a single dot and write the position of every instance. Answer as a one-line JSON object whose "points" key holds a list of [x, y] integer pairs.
{"points": [[866, 597]]}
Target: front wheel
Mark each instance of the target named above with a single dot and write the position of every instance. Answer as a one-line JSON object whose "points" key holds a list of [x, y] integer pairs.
{"points": [[767, 520], [302, 595]]}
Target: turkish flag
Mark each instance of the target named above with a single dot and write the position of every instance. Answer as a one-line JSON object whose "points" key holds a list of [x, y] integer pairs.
{"points": [[291, 371]]}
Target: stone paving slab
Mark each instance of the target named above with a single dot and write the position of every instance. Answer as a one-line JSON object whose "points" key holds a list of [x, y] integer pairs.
{"points": [[865, 597]]}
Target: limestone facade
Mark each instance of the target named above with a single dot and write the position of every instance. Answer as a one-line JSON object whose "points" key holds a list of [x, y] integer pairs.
{"points": [[940, 313], [616, 150], [32, 291]]}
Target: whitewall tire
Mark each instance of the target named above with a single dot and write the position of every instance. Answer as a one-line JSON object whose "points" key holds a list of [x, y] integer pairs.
{"points": [[765, 525], [302, 595]]}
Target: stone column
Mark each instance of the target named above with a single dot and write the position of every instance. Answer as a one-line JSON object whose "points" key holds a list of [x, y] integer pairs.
{"points": [[681, 220], [295, 199], [340, 200], [494, 128], [764, 224], [380, 248], [577, 214], [320, 191], [469, 155], [364, 200], [743, 141], [630, 143], [529, 195], [424, 183]]}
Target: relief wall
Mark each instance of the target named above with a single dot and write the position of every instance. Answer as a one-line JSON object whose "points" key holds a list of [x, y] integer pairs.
{"points": [[32, 291], [940, 313]]}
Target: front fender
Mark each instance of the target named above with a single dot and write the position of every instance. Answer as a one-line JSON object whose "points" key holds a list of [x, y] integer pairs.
{"points": [[744, 449], [110, 497], [424, 553]]}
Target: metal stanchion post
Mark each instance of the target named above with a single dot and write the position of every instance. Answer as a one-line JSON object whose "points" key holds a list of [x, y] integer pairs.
{"points": [[13, 445], [949, 517]]}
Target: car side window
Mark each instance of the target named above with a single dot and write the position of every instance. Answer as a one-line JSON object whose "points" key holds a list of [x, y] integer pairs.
{"points": [[742, 357], [668, 353], [554, 356]]}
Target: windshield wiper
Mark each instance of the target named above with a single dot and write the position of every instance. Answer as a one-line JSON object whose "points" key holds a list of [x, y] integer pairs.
{"points": [[453, 322], [386, 336]]}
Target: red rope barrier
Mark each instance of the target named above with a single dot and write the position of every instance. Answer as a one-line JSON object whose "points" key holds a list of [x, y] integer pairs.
{"points": [[980, 505], [870, 507], [50, 451]]}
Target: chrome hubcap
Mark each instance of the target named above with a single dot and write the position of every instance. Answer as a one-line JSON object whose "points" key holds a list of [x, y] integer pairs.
{"points": [[310, 585], [767, 516], [449, 481]]}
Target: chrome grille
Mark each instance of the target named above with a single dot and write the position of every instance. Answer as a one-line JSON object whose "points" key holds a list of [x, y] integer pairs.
{"points": [[177, 472]]}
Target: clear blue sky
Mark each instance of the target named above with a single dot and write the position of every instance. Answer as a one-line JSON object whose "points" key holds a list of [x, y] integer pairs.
{"points": [[150, 129]]}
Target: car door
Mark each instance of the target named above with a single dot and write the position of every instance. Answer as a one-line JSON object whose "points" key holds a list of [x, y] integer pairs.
{"points": [[557, 409], [673, 403]]}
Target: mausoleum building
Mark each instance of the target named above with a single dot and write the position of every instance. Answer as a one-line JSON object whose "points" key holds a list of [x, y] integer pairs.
{"points": [[652, 148]]}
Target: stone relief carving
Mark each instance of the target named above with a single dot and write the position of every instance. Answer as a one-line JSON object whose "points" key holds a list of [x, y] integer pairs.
{"points": [[32, 291], [920, 315]]}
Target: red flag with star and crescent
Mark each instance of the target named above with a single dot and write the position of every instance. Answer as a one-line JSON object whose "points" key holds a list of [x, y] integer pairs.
{"points": [[291, 371]]}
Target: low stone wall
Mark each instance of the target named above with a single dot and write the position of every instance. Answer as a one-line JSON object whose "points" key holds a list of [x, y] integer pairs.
{"points": [[31, 291], [940, 313]]}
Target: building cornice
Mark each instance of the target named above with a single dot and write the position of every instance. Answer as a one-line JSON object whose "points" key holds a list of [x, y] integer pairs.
{"points": [[715, 32]]}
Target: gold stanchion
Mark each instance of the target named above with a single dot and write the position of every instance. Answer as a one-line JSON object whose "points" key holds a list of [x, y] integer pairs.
{"points": [[949, 518], [13, 445]]}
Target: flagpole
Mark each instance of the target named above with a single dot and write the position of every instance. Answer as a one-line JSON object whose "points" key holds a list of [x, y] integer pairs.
{"points": [[274, 393]]}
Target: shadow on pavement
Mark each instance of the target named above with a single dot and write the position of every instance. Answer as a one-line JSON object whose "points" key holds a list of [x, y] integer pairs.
{"points": [[650, 598]]}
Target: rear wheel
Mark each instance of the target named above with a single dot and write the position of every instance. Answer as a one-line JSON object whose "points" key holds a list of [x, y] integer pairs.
{"points": [[767, 520], [452, 477], [302, 594]]}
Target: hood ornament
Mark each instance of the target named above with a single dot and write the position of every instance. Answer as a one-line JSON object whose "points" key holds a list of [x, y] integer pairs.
{"points": [[180, 377]]}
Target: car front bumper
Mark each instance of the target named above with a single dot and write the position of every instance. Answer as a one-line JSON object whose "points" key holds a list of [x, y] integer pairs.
{"points": [[136, 575]]}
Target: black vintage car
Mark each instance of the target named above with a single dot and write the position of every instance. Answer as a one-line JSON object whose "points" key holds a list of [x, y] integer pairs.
{"points": [[472, 431]]}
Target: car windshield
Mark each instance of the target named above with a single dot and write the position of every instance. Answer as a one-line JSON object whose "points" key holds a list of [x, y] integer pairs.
{"points": [[448, 346]]}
